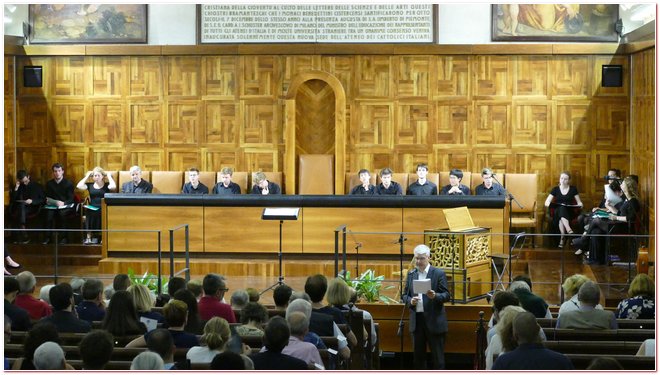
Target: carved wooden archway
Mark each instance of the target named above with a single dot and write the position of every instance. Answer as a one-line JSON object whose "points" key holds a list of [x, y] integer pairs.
{"points": [[290, 127]]}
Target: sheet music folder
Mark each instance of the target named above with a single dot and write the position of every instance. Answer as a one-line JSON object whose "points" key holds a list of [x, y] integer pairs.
{"points": [[460, 220]]}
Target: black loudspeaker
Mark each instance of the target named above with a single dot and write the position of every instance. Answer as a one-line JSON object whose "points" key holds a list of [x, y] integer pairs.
{"points": [[32, 76], [612, 76]]}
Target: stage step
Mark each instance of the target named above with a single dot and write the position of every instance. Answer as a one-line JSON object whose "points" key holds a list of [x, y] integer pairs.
{"points": [[40, 258]]}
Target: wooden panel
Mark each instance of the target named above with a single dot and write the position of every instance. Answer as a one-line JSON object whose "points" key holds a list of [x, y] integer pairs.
{"points": [[69, 121], [37, 161], [570, 76], [74, 161], [597, 87], [491, 126], [221, 125], [145, 76], [33, 122], [572, 126], [216, 160], [319, 223], [108, 121], [219, 78], [373, 76], [531, 76], [183, 76], [578, 165], [372, 124], [342, 68], [109, 159], [182, 122], [260, 122], [412, 127], [147, 160], [491, 77], [146, 122], [412, 76], [531, 124], [69, 76], [446, 160], [259, 75], [181, 160], [154, 218], [9, 76], [610, 125], [260, 160], [450, 77], [452, 120], [293, 65], [247, 233], [109, 76], [315, 118]]}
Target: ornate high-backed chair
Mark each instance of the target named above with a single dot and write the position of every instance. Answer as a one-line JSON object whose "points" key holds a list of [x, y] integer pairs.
{"points": [[315, 174]]}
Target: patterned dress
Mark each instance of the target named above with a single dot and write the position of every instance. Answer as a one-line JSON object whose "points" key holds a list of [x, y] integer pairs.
{"points": [[638, 307]]}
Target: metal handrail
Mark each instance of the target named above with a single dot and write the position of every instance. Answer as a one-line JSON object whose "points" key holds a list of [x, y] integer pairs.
{"points": [[186, 254]]}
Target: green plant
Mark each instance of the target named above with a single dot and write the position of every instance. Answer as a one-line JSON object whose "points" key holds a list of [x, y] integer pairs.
{"points": [[368, 286], [149, 280]]}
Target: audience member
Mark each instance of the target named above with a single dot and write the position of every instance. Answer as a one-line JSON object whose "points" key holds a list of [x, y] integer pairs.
{"points": [[50, 356], [176, 314], [339, 295], [195, 286], [96, 349], [121, 282], [297, 347], [503, 340], [137, 185], [571, 286], [422, 186], [239, 299], [144, 300], [501, 299], [253, 316], [522, 288], [213, 341], [604, 363], [647, 349], [194, 324], [63, 317], [36, 308], [387, 186], [530, 353], [92, 308], [7, 338], [305, 307], [175, 284], [59, 203], [39, 334], [44, 293], [20, 319], [147, 361], [253, 294], [121, 318], [641, 301], [228, 361], [588, 317], [77, 284], [211, 304], [365, 187], [281, 296], [160, 341], [276, 338]]}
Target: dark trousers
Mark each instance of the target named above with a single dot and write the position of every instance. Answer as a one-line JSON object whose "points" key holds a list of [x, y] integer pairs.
{"points": [[422, 337], [20, 212], [57, 218]]}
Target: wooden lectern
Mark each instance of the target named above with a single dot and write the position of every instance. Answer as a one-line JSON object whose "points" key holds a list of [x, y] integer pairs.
{"points": [[462, 251]]}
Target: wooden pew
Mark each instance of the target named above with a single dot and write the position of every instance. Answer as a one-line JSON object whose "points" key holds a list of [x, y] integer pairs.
{"points": [[594, 347], [629, 362], [622, 323], [73, 352], [599, 335], [325, 355], [67, 338]]}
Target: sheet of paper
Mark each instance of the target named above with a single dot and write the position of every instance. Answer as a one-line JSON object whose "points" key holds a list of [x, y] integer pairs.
{"points": [[611, 195], [150, 323], [421, 286]]}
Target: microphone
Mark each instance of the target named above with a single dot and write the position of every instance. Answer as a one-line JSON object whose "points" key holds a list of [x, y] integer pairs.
{"points": [[494, 175], [401, 239], [358, 245]]}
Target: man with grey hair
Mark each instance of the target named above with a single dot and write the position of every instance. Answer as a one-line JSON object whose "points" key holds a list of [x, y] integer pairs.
{"points": [[35, 307], [297, 347], [92, 308], [50, 356], [147, 361], [299, 304], [530, 353], [239, 299], [588, 317], [137, 185], [428, 320]]}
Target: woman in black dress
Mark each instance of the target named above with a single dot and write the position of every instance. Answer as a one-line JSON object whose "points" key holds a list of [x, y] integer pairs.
{"points": [[563, 196], [97, 191]]}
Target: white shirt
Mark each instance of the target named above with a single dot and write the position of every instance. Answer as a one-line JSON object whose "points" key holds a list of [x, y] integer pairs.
{"points": [[422, 275], [201, 354]]}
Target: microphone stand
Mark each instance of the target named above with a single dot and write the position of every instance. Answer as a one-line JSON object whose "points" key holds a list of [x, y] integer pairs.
{"points": [[399, 333], [400, 241], [358, 245], [511, 200]]}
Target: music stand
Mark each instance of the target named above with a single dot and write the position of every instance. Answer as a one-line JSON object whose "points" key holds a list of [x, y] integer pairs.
{"points": [[281, 214]]}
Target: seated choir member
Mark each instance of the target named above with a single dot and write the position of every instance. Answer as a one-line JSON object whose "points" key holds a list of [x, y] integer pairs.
{"points": [[194, 186], [422, 186], [137, 185], [455, 187], [387, 186], [488, 187], [59, 202], [226, 186], [564, 195], [25, 199], [263, 186], [97, 191], [599, 224], [613, 175], [365, 187]]}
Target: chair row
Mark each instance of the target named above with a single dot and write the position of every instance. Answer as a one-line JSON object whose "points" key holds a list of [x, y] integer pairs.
{"points": [[622, 323]]}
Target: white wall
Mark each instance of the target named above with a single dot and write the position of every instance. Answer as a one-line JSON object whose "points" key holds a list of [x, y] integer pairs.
{"points": [[175, 23]]}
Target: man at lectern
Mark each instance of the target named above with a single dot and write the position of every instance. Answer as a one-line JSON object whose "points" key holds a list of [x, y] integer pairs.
{"points": [[263, 186], [425, 293]]}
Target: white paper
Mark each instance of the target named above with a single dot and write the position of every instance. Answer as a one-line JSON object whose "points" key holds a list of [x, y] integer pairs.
{"points": [[150, 323], [421, 286], [611, 195]]}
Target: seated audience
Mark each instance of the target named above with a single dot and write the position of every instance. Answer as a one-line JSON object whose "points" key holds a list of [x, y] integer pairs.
{"points": [[297, 347], [501, 299], [50, 356], [522, 288], [455, 187], [239, 299], [263, 186], [530, 353], [160, 341], [228, 361], [195, 324], [147, 361], [96, 349], [176, 314], [488, 187], [365, 187], [647, 349], [604, 363], [121, 281], [503, 340], [20, 319], [144, 300], [44, 293], [121, 318], [194, 186], [281, 296], [7, 338], [588, 317], [253, 316], [422, 186], [226, 186], [276, 338], [77, 284], [36, 308], [211, 304], [137, 185], [92, 308], [39, 334], [571, 286], [63, 317], [641, 301], [305, 307], [195, 286], [339, 295], [387, 186], [213, 341]]}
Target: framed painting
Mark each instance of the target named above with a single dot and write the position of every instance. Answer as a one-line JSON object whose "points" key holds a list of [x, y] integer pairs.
{"points": [[555, 22], [87, 23]]}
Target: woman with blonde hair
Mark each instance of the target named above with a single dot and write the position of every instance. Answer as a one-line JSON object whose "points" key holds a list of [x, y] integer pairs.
{"points": [[641, 301], [339, 294], [571, 286], [503, 340], [97, 190], [213, 341], [144, 300]]}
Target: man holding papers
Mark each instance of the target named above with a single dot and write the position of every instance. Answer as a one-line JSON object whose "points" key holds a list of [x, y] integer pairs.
{"points": [[425, 293], [59, 201]]}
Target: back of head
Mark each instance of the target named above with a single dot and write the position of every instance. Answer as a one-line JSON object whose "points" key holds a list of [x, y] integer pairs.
{"points": [[175, 313], [121, 282], [504, 326], [642, 285], [142, 297], [216, 333], [160, 341], [253, 294], [502, 299], [26, 281], [316, 286], [525, 328], [96, 349], [44, 293], [604, 363], [191, 302], [60, 296], [228, 360], [121, 316], [298, 323], [254, 311], [524, 278], [281, 295], [175, 284], [91, 289], [299, 295], [77, 284], [37, 335], [276, 335], [11, 285], [589, 294], [212, 283], [239, 299], [300, 305], [147, 361], [49, 356], [195, 286], [518, 286], [339, 293]]}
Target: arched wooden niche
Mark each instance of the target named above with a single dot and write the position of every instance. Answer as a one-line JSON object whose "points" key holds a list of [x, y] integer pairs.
{"points": [[314, 123]]}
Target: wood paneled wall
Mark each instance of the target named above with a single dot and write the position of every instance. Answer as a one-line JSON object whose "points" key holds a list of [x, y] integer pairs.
{"points": [[643, 134], [515, 113]]}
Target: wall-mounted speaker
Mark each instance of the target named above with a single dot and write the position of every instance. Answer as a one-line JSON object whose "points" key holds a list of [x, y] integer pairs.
{"points": [[612, 76], [32, 76]]}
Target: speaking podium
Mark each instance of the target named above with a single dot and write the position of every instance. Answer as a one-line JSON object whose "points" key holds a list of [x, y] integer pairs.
{"points": [[462, 251]]}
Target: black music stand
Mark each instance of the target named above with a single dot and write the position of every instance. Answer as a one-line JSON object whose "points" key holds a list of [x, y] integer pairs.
{"points": [[281, 214]]}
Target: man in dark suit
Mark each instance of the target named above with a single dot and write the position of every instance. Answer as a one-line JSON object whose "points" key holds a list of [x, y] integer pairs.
{"points": [[428, 321], [137, 185]]}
